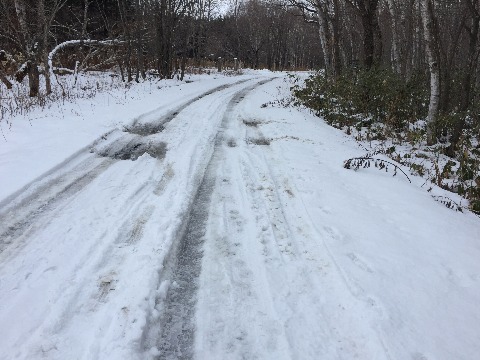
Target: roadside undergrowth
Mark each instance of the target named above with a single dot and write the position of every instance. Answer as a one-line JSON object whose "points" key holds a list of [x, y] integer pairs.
{"points": [[17, 101], [384, 114]]}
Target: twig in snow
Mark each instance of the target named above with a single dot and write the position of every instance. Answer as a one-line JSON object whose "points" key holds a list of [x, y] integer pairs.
{"points": [[449, 203], [365, 162]]}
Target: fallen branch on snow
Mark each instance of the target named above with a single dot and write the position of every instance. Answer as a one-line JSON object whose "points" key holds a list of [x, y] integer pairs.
{"points": [[365, 162], [80, 43]]}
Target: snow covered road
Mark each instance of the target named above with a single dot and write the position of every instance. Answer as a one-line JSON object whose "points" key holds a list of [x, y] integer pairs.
{"points": [[222, 228]]}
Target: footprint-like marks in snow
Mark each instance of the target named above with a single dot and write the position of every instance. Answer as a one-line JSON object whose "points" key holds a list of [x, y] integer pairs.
{"points": [[166, 178], [359, 262], [238, 220], [352, 284], [106, 284], [137, 231]]}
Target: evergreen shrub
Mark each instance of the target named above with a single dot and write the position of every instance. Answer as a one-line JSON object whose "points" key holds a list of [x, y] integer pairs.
{"points": [[363, 98]]}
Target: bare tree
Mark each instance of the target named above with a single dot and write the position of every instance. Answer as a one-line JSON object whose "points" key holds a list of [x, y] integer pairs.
{"points": [[326, 14], [432, 49], [3, 75], [30, 45], [473, 30], [372, 36]]}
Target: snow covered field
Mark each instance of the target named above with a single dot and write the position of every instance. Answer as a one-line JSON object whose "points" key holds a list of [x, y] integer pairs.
{"points": [[192, 221]]}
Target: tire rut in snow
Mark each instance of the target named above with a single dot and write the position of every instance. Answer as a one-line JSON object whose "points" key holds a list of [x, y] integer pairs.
{"points": [[17, 220], [139, 142], [176, 338], [145, 129], [178, 330]]}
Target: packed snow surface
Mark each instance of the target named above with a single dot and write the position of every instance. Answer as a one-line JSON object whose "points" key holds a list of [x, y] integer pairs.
{"points": [[201, 220]]}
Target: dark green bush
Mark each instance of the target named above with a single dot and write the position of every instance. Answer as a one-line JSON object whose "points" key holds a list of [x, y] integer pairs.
{"points": [[380, 96]]}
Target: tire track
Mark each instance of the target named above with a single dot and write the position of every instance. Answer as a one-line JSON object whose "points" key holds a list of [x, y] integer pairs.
{"points": [[134, 143], [32, 204], [19, 220], [173, 334], [158, 126]]}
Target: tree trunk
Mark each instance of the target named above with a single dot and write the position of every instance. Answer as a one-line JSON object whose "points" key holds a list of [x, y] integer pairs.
{"points": [[139, 41], [432, 50], [164, 37], [368, 42], [183, 65], [30, 48], [43, 29], [4, 79], [396, 64], [448, 67], [417, 37], [33, 79], [378, 42], [337, 62], [468, 78], [372, 37], [127, 34], [21, 11], [473, 52], [324, 36]]}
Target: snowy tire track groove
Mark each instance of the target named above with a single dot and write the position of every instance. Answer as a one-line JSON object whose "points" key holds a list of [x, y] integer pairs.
{"points": [[50, 217], [145, 129], [265, 273], [17, 222], [14, 221], [174, 334]]}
